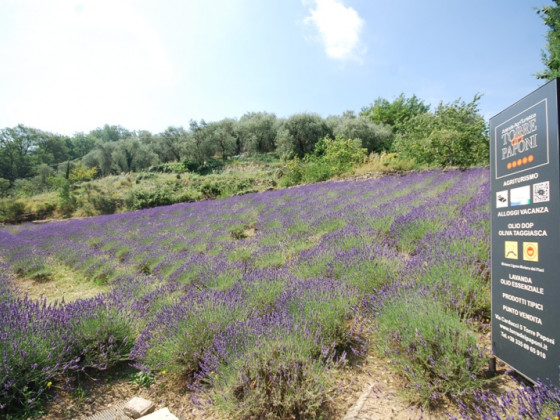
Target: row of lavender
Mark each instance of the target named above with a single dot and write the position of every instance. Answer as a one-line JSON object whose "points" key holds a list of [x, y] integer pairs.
{"points": [[256, 300]]}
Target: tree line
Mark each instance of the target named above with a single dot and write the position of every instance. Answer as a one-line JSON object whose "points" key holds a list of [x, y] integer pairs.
{"points": [[452, 134]]}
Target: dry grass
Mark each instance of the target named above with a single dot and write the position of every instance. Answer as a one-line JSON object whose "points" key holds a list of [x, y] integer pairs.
{"points": [[63, 284], [384, 163]]}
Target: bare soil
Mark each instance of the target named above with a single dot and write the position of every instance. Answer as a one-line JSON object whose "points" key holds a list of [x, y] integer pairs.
{"points": [[93, 395]]}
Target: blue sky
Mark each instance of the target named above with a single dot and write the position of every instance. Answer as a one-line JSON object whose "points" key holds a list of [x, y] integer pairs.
{"points": [[74, 65]]}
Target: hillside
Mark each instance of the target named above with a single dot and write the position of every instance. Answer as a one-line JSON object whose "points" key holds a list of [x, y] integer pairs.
{"points": [[162, 185], [264, 303], [112, 169]]}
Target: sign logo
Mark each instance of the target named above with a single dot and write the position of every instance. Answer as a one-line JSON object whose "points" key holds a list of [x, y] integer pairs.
{"points": [[521, 142], [531, 251], [521, 196], [502, 199], [511, 250], [520, 162]]}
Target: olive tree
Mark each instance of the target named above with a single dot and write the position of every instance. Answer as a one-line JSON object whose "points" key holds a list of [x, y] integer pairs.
{"points": [[375, 137], [170, 145], [130, 155], [198, 146], [17, 146], [258, 132], [222, 137], [298, 134]]}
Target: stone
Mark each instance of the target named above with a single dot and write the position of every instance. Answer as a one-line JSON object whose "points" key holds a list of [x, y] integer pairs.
{"points": [[162, 414], [138, 407]]}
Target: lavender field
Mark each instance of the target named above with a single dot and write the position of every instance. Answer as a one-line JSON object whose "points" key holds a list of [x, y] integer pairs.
{"points": [[256, 302]]}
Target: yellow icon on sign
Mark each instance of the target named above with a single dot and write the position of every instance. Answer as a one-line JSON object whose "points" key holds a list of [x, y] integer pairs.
{"points": [[531, 251], [512, 250]]}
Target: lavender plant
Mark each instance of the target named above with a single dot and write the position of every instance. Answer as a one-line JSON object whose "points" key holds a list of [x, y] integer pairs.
{"points": [[538, 401], [42, 343], [249, 295], [278, 380], [34, 350], [178, 337], [430, 347]]}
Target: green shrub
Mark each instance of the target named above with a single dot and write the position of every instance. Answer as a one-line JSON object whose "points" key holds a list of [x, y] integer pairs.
{"points": [[455, 134], [316, 170], [142, 199], [105, 204], [387, 163], [170, 167], [4, 187], [46, 209], [26, 187], [81, 173], [292, 174], [341, 153], [42, 344], [210, 189], [331, 316], [207, 167], [142, 379], [20, 210], [331, 157], [309, 170], [11, 210], [467, 287], [143, 176]]}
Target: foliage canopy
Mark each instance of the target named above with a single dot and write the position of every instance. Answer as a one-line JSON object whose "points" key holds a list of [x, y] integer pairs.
{"points": [[396, 113], [455, 134], [551, 58]]}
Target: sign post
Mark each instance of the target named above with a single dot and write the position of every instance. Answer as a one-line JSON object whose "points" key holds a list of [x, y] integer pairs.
{"points": [[525, 207]]}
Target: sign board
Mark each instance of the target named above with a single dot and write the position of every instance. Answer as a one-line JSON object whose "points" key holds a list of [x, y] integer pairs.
{"points": [[525, 207]]}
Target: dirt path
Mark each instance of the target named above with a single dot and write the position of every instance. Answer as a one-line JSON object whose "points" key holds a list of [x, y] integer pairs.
{"points": [[376, 396]]}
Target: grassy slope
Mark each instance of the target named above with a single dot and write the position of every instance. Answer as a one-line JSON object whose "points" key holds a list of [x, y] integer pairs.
{"points": [[133, 191]]}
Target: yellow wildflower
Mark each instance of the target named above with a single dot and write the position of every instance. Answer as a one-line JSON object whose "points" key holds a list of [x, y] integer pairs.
{"points": [[49, 384]]}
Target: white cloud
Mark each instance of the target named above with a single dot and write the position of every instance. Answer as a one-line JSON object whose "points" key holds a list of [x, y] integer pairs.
{"points": [[339, 28]]}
